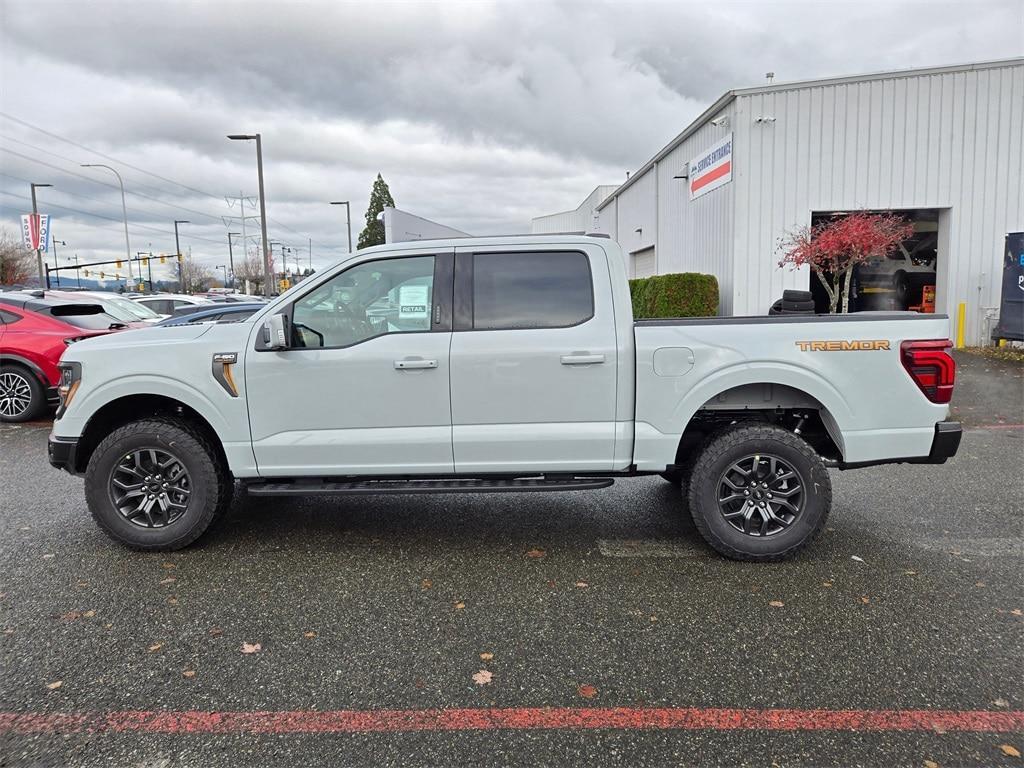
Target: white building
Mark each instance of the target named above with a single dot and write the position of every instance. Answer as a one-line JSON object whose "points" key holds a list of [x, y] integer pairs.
{"points": [[577, 222], [945, 145]]}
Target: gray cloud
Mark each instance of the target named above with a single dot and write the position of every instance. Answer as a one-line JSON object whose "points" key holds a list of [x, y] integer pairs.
{"points": [[478, 114]]}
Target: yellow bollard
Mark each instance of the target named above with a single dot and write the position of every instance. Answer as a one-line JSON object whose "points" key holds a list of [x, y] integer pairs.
{"points": [[961, 320]]}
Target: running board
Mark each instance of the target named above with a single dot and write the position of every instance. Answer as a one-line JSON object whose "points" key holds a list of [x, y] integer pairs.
{"points": [[366, 487]]}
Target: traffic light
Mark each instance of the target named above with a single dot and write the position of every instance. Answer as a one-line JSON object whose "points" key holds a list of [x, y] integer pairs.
{"points": [[103, 276], [163, 259], [118, 264]]}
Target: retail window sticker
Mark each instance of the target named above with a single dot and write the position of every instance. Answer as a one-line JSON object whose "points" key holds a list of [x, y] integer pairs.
{"points": [[413, 301]]}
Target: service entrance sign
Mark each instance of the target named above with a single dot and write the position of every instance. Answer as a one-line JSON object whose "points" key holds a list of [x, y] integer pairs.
{"points": [[35, 231], [711, 169]]}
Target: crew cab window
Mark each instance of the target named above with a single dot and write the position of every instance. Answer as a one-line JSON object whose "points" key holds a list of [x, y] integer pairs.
{"points": [[160, 306], [531, 290], [367, 300]]}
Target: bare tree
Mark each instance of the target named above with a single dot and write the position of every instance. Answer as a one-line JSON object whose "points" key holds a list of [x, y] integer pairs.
{"points": [[250, 269], [195, 277], [17, 263]]}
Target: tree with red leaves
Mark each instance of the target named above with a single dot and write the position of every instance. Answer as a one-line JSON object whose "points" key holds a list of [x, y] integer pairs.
{"points": [[833, 248]]}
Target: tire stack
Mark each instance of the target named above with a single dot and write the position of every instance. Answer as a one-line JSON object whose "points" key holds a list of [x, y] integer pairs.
{"points": [[793, 303]]}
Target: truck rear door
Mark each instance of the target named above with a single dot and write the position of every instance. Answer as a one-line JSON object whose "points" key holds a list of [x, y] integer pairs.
{"points": [[533, 360]]}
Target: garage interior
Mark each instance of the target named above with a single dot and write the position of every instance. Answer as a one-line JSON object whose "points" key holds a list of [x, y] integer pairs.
{"points": [[906, 279]]}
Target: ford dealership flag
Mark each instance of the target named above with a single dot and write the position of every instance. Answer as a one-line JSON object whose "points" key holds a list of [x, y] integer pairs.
{"points": [[711, 169], [35, 230]]}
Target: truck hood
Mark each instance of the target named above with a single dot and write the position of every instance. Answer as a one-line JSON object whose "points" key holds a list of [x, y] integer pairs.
{"points": [[137, 337]]}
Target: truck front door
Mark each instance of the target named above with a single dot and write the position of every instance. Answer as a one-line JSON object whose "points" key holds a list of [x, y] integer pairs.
{"points": [[363, 389], [533, 360]]}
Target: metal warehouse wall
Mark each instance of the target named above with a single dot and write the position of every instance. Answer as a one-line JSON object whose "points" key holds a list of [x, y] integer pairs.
{"points": [[951, 140], [691, 236], [579, 220]]}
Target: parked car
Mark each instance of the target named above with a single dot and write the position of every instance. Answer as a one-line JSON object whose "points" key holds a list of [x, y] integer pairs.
{"points": [[113, 304], [87, 314], [906, 270], [30, 348], [166, 303], [232, 313], [499, 364]]}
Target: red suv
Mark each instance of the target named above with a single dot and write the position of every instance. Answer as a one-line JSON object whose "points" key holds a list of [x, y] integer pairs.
{"points": [[31, 343]]}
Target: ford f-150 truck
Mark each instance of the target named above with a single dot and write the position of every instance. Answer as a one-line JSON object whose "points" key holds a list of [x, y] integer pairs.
{"points": [[498, 364]]}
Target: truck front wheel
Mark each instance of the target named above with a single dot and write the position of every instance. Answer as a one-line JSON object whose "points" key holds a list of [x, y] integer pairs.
{"points": [[156, 484], [759, 492]]}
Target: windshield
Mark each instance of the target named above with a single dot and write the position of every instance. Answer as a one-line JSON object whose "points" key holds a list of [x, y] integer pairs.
{"points": [[134, 309], [88, 316]]}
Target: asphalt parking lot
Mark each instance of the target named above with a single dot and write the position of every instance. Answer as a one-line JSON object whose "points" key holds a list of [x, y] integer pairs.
{"points": [[611, 634]]}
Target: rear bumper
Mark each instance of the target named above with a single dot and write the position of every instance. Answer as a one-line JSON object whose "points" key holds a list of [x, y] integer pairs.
{"points": [[945, 443], [61, 453]]}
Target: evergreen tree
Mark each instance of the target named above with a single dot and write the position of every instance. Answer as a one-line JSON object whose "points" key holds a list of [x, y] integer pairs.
{"points": [[380, 198]]}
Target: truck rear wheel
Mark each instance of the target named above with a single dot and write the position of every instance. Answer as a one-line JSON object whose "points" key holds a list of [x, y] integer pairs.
{"points": [[156, 484], [758, 492]]}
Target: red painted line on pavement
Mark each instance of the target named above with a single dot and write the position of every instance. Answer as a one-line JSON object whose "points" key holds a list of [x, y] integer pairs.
{"points": [[514, 718]]}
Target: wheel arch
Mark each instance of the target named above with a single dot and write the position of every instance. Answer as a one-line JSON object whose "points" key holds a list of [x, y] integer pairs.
{"points": [[128, 408]]}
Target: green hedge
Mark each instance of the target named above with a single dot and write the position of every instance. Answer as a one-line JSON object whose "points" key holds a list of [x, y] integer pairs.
{"points": [[682, 294]]}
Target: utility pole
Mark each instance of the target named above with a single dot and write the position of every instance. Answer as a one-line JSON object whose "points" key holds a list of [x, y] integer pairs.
{"points": [[231, 254], [221, 266], [124, 211], [263, 205], [55, 262], [311, 255], [177, 254], [348, 219], [35, 220]]}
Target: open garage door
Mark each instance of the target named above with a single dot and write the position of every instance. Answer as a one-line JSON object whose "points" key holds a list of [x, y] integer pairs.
{"points": [[906, 279]]}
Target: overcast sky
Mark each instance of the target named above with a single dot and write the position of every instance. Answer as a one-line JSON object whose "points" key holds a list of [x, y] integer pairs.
{"points": [[479, 115]]}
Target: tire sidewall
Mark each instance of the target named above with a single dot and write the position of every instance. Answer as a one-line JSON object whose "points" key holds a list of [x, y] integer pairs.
{"points": [[816, 498], [202, 501], [38, 394]]}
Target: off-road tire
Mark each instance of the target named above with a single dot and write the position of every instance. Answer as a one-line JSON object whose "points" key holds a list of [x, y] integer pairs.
{"points": [[731, 445], [37, 394], [211, 483]]}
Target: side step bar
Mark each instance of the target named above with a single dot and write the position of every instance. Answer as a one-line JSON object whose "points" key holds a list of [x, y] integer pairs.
{"points": [[367, 487]]}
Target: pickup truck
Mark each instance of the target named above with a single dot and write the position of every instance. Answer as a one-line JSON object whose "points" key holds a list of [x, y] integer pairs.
{"points": [[498, 365]]}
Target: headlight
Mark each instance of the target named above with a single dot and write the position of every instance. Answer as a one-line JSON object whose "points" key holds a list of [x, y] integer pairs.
{"points": [[70, 378]]}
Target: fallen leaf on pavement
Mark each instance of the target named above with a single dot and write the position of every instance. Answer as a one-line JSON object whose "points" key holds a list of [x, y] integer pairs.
{"points": [[979, 583], [426, 584], [71, 616], [55, 685], [88, 614], [582, 584], [910, 573], [826, 583], [188, 673], [251, 647], [172, 600], [1001, 703], [1009, 751], [486, 656], [930, 764], [776, 603], [858, 559], [483, 677], [168, 580], [309, 634], [168, 566], [48, 556], [459, 606], [865, 599], [587, 691], [155, 647], [536, 553], [1017, 612], [216, 631]]}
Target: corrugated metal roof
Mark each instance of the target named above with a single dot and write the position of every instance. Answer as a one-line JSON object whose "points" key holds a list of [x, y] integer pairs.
{"points": [[728, 96]]}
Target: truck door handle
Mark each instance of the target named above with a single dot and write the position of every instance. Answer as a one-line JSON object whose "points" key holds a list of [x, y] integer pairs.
{"points": [[405, 365], [582, 359]]}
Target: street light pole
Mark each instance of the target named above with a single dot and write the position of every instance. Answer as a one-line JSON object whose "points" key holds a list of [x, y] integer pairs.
{"points": [[124, 211], [263, 206], [231, 255], [221, 266], [348, 219], [177, 254], [55, 262], [35, 218]]}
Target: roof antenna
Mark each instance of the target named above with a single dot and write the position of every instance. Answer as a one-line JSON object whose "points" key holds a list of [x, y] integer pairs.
{"points": [[627, 175], [770, 76]]}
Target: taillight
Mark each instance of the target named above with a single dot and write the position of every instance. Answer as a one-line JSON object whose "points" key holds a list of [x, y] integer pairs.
{"points": [[931, 367]]}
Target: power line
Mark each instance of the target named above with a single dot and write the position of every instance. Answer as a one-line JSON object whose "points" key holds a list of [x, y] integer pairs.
{"points": [[19, 121]]}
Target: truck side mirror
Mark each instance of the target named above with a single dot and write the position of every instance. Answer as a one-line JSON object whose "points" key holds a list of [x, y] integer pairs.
{"points": [[275, 332]]}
